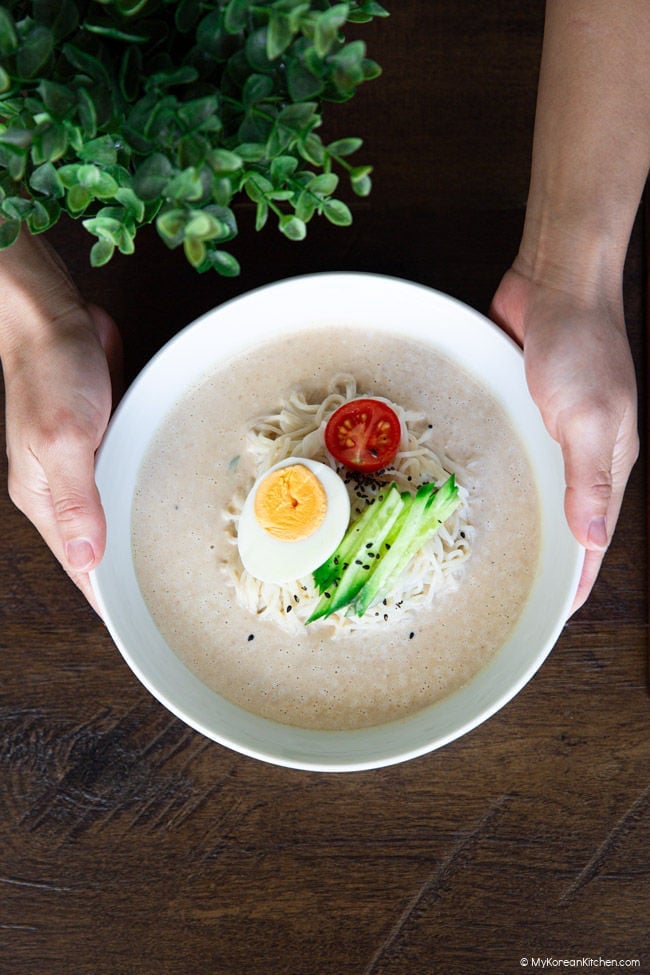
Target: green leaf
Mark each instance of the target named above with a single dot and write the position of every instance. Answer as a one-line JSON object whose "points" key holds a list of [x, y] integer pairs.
{"points": [[88, 65], [17, 138], [44, 215], [9, 230], [101, 252], [302, 83], [45, 179], [255, 127], [152, 176], [337, 213], [16, 207], [226, 219], [224, 161], [255, 49], [194, 250], [279, 34], [171, 226], [186, 185], [371, 69], [130, 72], [298, 116], [360, 180], [282, 167], [100, 184], [261, 214], [199, 111], [8, 34], [325, 183], [202, 225], [213, 38], [68, 174], [131, 203], [327, 27], [87, 113], [57, 99], [187, 14], [107, 228], [251, 151], [17, 165], [78, 199], [344, 147], [49, 143], [312, 149], [348, 65], [373, 9], [170, 77], [171, 112], [62, 16], [101, 151], [222, 190], [39, 219], [292, 227], [224, 263], [34, 52], [257, 186], [256, 88], [305, 206], [236, 16]]}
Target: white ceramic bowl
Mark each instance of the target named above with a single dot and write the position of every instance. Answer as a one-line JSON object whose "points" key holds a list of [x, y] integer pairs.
{"points": [[395, 306]]}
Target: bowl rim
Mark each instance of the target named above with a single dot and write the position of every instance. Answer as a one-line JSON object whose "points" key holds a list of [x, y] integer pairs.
{"points": [[328, 751]]}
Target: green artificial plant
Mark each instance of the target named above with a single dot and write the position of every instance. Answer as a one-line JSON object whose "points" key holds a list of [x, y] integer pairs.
{"points": [[127, 112]]}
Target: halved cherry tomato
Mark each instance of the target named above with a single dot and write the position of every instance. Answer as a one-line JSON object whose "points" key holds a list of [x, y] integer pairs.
{"points": [[363, 434]]}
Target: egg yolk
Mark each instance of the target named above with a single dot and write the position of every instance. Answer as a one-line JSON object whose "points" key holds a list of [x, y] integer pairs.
{"points": [[290, 503]]}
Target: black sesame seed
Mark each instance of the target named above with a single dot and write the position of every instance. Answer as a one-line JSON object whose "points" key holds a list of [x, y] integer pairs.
{"points": [[411, 635], [251, 636], [289, 608]]}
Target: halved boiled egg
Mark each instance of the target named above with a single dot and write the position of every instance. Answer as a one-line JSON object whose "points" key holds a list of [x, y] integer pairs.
{"points": [[293, 518]]}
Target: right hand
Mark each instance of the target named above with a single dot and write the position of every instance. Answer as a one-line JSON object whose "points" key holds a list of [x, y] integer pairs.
{"points": [[581, 375], [59, 369]]}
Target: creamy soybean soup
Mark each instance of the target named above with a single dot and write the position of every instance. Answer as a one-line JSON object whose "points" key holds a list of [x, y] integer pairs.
{"points": [[198, 461]]}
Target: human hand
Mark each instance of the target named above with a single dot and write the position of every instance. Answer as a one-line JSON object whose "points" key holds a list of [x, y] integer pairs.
{"points": [[58, 387], [580, 373]]}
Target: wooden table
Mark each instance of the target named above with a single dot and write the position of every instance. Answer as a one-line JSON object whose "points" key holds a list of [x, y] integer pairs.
{"points": [[130, 845]]}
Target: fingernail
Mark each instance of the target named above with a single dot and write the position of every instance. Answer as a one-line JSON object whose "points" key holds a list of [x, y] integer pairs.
{"points": [[80, 554], [597, 533]]}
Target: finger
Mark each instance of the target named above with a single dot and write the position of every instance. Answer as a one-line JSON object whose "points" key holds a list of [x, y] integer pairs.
{"points": [[36, 503], [76, 508], [111, 341], [590, 569], [587, 440]]}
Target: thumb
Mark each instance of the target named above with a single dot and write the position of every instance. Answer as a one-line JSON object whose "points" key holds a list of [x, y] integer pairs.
{"points": [[588, 446], [77, 509]]}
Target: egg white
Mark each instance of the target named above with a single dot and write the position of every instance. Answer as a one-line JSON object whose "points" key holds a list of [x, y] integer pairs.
{"points": [[277, 560]]}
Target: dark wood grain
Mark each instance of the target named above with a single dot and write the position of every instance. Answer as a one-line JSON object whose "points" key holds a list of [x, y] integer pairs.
{"points": [[130, 845]]}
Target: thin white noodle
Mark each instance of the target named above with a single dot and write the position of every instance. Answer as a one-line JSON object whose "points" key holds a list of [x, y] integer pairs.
{"points": [[296, 430]]}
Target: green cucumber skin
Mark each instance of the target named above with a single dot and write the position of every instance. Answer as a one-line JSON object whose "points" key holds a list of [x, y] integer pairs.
{"points": [[355, 539], [354, 576], [426, 515], [401, 529]]}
